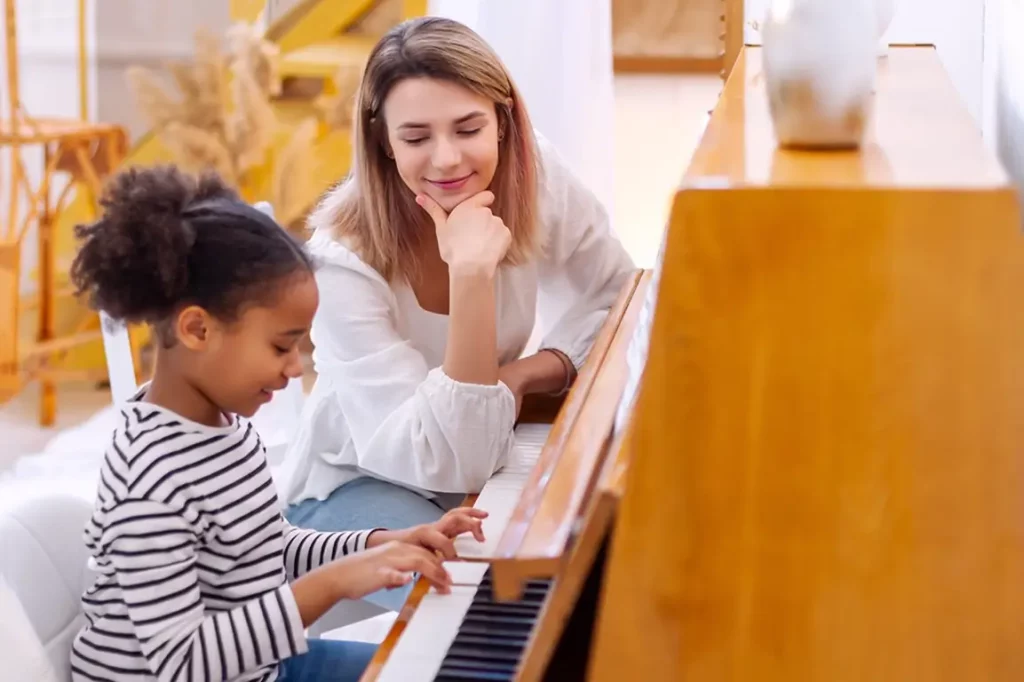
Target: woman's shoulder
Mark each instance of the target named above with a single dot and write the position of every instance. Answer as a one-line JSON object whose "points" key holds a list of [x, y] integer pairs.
{"points": [[344, 278], [333, 254], [565, 204]]}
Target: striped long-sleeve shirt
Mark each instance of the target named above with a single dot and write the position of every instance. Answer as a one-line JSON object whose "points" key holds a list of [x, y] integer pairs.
{"points": [[193, 556]]}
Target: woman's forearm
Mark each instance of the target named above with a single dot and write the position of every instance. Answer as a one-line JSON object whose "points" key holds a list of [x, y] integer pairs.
{"points": [[471, 355], [541, 373]]}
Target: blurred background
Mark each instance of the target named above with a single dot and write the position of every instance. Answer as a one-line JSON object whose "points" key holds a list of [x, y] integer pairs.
{"points": [[262, 89]]}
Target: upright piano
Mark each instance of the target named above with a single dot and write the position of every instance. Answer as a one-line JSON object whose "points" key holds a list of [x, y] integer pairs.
{"points": [[796, 451]]}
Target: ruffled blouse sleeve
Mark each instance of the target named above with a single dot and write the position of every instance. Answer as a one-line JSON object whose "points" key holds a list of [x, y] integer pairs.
{"points": [[408, 424]]}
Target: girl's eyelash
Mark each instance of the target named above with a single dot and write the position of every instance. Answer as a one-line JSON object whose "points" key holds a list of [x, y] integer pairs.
{"points": [[280, 350]]}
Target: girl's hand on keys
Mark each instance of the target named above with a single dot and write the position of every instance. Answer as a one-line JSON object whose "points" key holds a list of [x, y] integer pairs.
{"points": [[388, 565], [438, 536]]}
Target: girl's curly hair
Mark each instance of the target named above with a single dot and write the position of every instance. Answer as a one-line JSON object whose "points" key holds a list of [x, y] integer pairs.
{"points": [[167, 240]]}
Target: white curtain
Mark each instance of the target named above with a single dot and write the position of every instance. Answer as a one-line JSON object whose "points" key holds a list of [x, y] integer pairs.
{"points": [[1009, 93], [560, 55]]}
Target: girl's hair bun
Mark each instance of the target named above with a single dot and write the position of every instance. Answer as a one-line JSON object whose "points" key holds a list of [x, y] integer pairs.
{"points": [[133, 263]]}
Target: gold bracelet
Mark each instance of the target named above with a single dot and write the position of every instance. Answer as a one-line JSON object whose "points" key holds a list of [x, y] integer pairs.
{"points": [[570, 370]]}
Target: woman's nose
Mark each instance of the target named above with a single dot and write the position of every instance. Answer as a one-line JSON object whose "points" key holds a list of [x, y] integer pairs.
{"points": [[446, 154]]}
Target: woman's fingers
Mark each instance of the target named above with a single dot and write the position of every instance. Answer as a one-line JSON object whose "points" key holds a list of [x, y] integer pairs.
{"points": [[437, 214]]}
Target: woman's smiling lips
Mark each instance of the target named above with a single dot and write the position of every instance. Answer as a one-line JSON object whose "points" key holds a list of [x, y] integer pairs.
{"points": [[451, 185]]}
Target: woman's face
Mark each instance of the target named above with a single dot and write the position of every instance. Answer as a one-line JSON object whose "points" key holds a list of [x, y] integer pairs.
{"points": [[444, 139]]}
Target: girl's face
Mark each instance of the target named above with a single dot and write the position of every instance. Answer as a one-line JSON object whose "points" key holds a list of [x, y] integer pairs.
{"points": [[444, 139], [239, 365]]}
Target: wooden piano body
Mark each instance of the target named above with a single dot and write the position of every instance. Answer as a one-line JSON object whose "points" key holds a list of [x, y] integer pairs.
{"points": [[820, 474]]}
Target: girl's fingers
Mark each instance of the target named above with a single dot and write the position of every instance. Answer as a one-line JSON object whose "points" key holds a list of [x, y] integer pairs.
{"points": [[395, 578], [437, 541]]}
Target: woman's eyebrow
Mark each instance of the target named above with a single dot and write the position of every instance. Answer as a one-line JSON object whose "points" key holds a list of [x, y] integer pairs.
{"points": [[461, 119]]}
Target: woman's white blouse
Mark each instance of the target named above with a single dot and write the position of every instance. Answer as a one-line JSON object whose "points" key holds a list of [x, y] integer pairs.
{"points": [[382, 405]]}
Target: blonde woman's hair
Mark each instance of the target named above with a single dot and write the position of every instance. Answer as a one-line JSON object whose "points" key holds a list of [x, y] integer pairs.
{"points": [[372, 210]]}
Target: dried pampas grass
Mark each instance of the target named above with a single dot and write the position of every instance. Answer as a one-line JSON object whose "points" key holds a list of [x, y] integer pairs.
{"points": [[339, 109], [252, 54], [158, 106], [294, 171], [222, 118], [252, 124], [198, 150]]}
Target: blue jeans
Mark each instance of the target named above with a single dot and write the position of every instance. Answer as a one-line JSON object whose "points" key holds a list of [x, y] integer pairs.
{"points": [[328, 661], [370, 503]]}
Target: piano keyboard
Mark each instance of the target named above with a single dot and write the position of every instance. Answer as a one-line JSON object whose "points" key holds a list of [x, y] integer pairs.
{"points": [[493, 635], [502, 491], [466, 635]]}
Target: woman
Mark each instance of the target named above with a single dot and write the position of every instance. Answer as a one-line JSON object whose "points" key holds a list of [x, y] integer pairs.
{"points": [[434, 255]]}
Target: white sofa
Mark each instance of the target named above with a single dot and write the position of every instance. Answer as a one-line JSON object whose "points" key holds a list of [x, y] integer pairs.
{"points": [[44, 562], [43, 559]]}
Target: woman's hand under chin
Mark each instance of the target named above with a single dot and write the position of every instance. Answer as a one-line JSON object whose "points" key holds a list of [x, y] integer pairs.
{"points": [[471, 239]]}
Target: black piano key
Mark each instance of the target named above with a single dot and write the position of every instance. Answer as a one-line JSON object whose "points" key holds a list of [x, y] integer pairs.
{"points": [[513, 642], [491, 652], [493, 634], [456, 675], [452, 662], [505, 609]]}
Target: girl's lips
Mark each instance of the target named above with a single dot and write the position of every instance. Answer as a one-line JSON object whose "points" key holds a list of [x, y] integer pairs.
{"points": [[449, 185]]}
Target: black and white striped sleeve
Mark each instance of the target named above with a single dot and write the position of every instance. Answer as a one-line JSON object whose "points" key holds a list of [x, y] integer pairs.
{"points": [[305, 550], [153, 551]]}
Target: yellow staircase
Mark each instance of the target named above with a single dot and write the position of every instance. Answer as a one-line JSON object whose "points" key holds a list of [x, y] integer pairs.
{"points": [[318, 40]]}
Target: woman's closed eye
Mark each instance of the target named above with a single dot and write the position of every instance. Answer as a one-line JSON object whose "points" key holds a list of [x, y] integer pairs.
{"points": [[462, 133]]}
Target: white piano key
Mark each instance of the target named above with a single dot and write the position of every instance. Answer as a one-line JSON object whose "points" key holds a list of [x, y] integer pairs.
{"points": [[418, 654], [499, 502], [423, 645], [502, 491], [465, 573]]}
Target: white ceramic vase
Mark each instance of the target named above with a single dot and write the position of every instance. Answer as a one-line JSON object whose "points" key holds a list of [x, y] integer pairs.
{"points": [[820, 61]]}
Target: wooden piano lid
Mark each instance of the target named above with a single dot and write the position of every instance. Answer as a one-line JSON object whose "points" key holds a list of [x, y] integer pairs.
{"points": [[535, 541], [920, 135]]}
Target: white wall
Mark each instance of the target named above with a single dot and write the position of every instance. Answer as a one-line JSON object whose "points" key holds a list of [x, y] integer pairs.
{"points": [[121, 33], [955, 27], [1006, 84], [560, 57]]}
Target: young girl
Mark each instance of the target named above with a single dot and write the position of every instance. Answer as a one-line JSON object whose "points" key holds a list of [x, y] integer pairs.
{"points": [[200, 577]]}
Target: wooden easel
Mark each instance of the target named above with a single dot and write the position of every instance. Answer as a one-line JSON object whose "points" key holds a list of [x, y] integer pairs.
{"points": [[84, 153]]}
